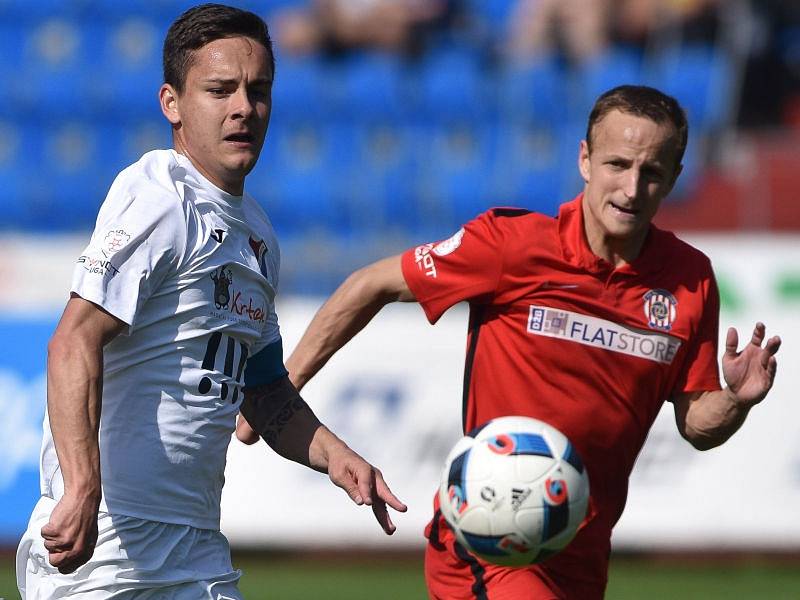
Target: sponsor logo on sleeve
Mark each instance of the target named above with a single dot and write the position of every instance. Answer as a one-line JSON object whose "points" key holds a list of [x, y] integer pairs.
{"points": [[607, 335], [449, 245], [424, 259], [98, 266], [660, 309]]}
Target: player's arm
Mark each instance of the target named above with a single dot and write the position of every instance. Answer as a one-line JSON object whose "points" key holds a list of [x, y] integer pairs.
{"points": [[345, 313], [74, 390], [277, 412], [707, 419]]}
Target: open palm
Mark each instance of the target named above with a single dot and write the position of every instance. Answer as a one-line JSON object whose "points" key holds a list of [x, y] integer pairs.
{"points": [[750, 372]]}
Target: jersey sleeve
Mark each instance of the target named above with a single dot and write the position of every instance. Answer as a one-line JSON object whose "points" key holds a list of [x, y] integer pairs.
{"points": [[138, 239], [701, 366], [467, 266]]}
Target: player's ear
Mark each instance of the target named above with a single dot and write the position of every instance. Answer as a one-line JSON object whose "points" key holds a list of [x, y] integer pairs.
{"points": [[584, 164], [168, 99]]}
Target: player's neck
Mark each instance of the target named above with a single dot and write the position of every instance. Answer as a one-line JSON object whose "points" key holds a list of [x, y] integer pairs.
{"points": [[616, 251]]}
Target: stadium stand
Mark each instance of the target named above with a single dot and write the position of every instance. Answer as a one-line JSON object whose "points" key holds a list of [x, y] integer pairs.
{"points": [[362, 145]]}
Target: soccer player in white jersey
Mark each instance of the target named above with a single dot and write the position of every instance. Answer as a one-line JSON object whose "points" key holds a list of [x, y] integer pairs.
{"points": [[170, 330]]}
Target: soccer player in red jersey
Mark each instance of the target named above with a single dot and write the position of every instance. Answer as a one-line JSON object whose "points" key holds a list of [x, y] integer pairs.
{"points": [[588, 321]]}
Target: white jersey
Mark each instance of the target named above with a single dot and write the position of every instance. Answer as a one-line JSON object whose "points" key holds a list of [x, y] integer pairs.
{"points": [[193, 271]]}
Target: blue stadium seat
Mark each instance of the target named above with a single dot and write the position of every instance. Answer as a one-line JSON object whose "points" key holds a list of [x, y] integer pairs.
{"points": [[15, 173], [57, 61], [369, 87], [129, 67], [453, 185], [300, 90], [527, 170], [700, 77], [378, 179], [296, 179], [534, 92], [616, 66], [452, 87]]}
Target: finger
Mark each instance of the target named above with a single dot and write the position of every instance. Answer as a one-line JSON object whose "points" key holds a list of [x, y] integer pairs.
{"points": [[49, 531], [773, 344], [387, 496], [245, 433], [382, 515], [758, 334], [349, 484], [772, 369], [731, 341], [366, 483], [56, 546]]}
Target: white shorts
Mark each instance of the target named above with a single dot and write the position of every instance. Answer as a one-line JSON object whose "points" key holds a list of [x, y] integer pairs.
{"points": [[134, 559]]}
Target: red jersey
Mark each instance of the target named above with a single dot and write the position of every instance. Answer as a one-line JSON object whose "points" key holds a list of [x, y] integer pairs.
{"points": [[558, 334]]}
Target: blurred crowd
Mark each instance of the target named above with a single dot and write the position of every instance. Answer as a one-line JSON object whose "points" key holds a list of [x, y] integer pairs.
{"points": [[762, 36]]}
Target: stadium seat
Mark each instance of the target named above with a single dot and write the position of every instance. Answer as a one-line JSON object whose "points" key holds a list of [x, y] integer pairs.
{"points": [[300, 90], [57, 61], [129, 67], [451, 87], [533, 92], [700, 77], [618, 65], [296, 179], [368, 87], [453, 185]]}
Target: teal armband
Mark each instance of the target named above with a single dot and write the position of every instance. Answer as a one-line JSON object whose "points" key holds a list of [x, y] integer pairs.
{"points": [[265, 366]]}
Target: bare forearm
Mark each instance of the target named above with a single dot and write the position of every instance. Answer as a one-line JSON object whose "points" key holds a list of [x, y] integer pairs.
{"points": [[713, 418], [74, 391], [346, 313], [278, 413]]}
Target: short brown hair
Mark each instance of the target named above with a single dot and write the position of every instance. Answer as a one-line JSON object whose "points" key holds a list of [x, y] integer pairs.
{"points": [[642, 101], [201, 25]]}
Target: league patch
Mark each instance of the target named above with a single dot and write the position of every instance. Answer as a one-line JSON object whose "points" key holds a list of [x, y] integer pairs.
{"points": [[449, 245], [660, 309], [114, 241], [591, 331]]}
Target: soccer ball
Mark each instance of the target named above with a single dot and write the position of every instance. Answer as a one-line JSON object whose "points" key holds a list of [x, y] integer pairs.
{"points": [[514, 491]]}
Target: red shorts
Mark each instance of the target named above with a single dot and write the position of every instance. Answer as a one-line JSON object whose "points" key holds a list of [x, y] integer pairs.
{"points": [[451, 573]]}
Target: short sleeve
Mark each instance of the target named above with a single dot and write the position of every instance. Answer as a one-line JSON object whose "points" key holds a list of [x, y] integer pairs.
{"points": [[701, 367], [138, 239], [467, 266]]}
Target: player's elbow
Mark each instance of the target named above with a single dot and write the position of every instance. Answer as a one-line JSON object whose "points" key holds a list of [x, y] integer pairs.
{"points": [[701, 439]]}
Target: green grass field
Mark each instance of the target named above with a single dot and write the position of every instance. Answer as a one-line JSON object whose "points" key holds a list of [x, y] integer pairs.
{"points": [[269, 576]]}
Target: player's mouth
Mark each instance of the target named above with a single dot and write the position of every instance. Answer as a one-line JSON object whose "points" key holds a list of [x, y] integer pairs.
{"points": [[242, 139], [623, 211]]}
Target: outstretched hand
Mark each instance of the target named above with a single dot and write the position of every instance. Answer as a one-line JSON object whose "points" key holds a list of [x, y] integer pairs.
{"points": [[364, 484], [750, 372]]}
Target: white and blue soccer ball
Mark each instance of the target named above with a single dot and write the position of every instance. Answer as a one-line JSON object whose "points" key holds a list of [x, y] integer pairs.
{"points": [[514, 491]]}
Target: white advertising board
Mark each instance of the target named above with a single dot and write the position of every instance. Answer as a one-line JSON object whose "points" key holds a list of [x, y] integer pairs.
{"points": [[394, 394]]}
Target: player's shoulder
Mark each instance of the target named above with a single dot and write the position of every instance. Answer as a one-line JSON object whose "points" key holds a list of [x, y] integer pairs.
{"points": [[682, 254], [512, 217], [512, 223], [152, 182]]}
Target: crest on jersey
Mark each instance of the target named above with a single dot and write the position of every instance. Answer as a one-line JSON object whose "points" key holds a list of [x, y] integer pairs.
{"points": [[222, 287], [660, 309], [260, 249]]}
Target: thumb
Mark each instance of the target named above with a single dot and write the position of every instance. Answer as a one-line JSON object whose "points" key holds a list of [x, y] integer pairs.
{"points": [[245, 433]]}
